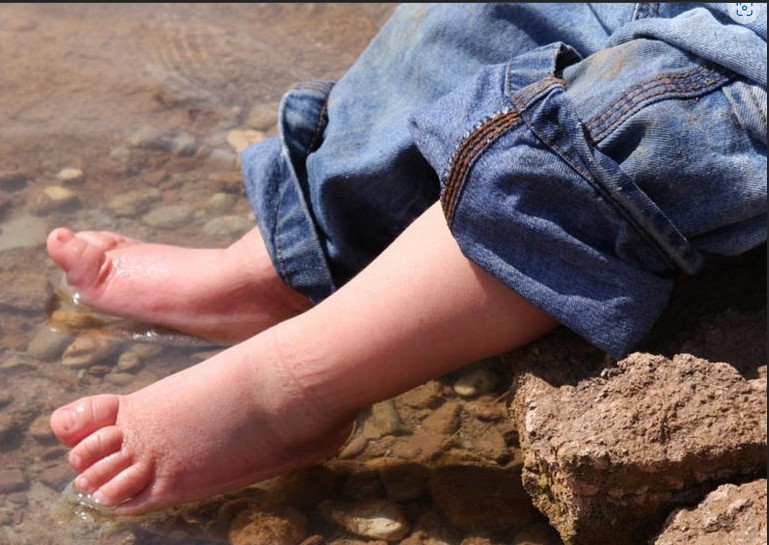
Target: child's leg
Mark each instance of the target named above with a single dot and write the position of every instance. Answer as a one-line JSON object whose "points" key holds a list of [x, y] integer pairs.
{"points": [[286, 397], [225, 295]]}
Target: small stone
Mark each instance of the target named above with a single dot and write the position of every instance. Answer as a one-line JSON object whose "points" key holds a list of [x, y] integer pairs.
{"points": [[220, 203], [220, 159], [262, 116], [48, 344], [120, 379], [120, 153], [40, 428], [169, 217], [7, 425], [11, 480], [280, 526], [70, 175], [133, 203], [184, 145], [227, 182], [377, 519], [476, 383], [146, 350], [228, 226], [129, 362], [240, 139], [445, 420], [52, 198], [18, 498], [57, 477], [87, 351]]}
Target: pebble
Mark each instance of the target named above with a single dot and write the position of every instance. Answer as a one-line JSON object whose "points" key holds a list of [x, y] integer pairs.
{"points": [[283, 526], [129, 362], [146, 350], [134, 202], [57, 477], [220, 159], [48, 344], [262, 116], [51, 198], [120, 379], [23, 232], [40, 428], [377, 519], [87, 351], [227, 182], [120, 153], [7, 424], [227, 226], [11, 480], [476, 383], [169, 217], [70, 175], [220, 203], [184, 144], [240, 139]]}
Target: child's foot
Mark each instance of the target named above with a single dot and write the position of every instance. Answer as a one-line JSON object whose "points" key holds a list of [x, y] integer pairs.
{"points": [[233, 420], [224, 295]]}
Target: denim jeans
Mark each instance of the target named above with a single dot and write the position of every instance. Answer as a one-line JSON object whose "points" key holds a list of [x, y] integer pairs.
{"points": [[585, 155]]}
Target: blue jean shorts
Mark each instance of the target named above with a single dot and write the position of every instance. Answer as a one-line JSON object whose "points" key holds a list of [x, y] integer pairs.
{"points": [[585, 155]]}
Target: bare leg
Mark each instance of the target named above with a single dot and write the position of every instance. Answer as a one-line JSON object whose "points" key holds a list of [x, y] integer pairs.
{"points": [[286, 397], [224, 295]]}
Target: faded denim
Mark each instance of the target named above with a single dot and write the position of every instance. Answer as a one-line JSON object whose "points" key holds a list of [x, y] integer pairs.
{"points": [[585, 155]]}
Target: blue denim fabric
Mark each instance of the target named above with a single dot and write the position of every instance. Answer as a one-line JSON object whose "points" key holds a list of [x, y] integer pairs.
{"points": [[583, 154]]}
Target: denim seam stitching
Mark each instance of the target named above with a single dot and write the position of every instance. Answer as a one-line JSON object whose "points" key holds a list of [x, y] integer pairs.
{"points": [[658, 89], [598, 186], [467, 152], [319, 125]]}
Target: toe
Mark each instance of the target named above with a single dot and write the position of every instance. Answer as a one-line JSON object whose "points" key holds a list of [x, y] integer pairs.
{"points": [[102, 472], [76, 421], [124, 486], [81, 260], [104, 240], [98, 445]]}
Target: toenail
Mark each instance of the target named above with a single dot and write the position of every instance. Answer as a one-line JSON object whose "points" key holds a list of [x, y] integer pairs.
{"points": [[63, 236], [74, 459], [82, 484], [67, 418]]}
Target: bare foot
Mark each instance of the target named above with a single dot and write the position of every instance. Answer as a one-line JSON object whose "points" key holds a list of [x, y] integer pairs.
{"points": [[233, 420], [224, 295]]}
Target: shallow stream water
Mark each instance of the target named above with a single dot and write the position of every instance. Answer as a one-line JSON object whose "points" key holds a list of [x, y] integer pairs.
{"points": [[129, 117]]}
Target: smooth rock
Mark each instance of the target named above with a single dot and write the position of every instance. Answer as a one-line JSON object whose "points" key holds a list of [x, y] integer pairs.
{"points": [[120, 379], [87, 351], [220, 159], [48, 344], [23, 232], [57, 477], [228, 226], [40, 428], [52, 198], [262, 116], [134, 202], [240, 139], [11, 480], [12, 180], [476, 383], [169, 217], [377, 519], [220, 203], [70, 175], [129, 362]]}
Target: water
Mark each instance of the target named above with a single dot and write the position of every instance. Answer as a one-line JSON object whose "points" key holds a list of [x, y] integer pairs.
{"points": [[121, 117]]}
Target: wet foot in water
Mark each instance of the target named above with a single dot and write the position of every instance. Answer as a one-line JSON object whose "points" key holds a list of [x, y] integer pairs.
{"points": [[233, 420], [223, 295]]}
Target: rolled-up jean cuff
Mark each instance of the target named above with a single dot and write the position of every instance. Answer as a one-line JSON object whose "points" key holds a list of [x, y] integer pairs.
{"points": [[275, 178]]}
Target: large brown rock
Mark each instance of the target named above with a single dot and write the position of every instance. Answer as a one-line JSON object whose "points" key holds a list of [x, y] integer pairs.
{"points": [[608, 457], [731, 514]]}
